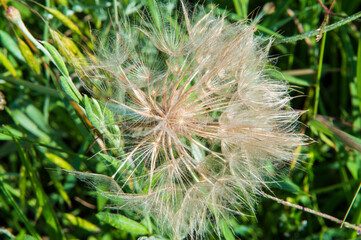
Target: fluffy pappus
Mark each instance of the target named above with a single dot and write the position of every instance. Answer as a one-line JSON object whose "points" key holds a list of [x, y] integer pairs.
{"points": [[203, 125]]}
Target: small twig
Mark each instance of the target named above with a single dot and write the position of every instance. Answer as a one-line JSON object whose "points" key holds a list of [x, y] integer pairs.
{"points": [[305, 209], [85, 203]]}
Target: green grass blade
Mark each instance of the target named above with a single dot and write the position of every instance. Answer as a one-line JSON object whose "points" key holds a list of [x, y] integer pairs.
{"points": [[241, 7], [10, 44], [54, 229], [122, 223], [227, 233], [18, 211], [81, 223]]}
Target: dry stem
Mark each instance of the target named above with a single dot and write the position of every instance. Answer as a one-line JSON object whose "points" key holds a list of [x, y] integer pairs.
{"points": [[305, 209]]}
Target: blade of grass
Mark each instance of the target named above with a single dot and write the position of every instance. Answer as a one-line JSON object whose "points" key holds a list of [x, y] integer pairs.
{"points": [[31, 141], [241, 7], [154, 11], [18, 211], [54, 228], [81, 223], [7, 64], [10, 44]]}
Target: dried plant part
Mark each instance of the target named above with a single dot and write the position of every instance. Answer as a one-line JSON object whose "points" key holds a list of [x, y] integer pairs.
{"points": [[203, 125], [2, 101]]}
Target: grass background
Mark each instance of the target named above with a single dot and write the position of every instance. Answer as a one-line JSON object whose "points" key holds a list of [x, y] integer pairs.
{"points": [[41, 133]]}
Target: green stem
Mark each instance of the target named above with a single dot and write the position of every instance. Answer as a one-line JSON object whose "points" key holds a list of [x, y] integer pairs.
{"points": [[115, 3], [318, 79], [316, 32]]}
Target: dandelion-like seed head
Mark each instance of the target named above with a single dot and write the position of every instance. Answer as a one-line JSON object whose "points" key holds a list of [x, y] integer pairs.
{"points": [[203, 124]]}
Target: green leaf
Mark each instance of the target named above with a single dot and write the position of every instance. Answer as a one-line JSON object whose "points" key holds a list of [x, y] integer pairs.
{"points": [[7, 64], [64, 19], [30, 125], [115, 162], [4, 135], [122, 223], [321, 127], [60, 188], [58, 161], [29, 56], [53, 226], [69, 88], [94, 113], [227, 233], [37, 117], [81, 223], [287, 185], [290, 79], [7, 41], [57, 58], [241, 7], [18, 211]]}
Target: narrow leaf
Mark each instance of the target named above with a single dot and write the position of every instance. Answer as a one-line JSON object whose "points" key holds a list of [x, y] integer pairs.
{"points": [[7, 41], [227, 233], [29, 56], [57, 58], [81, 223], [60, 188], [64, 19], [59, 161], [122, 223], [7, 64], [54, 229], [69, 88], [18, 211]]}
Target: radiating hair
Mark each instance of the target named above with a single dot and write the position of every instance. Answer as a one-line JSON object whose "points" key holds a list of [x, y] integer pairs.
{"points": [[204, 126]]}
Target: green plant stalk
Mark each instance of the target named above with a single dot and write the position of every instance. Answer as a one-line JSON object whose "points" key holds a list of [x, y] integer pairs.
{"points": [[317, 32], [17, 20], [115, 3], [318, 78], [241, 7]]}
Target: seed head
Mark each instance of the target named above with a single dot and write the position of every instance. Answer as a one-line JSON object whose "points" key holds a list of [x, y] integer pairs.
{"points": [[203, 125]]}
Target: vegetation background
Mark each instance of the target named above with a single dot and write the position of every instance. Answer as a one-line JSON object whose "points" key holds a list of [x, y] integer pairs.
{"points": [[42, 133]]}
